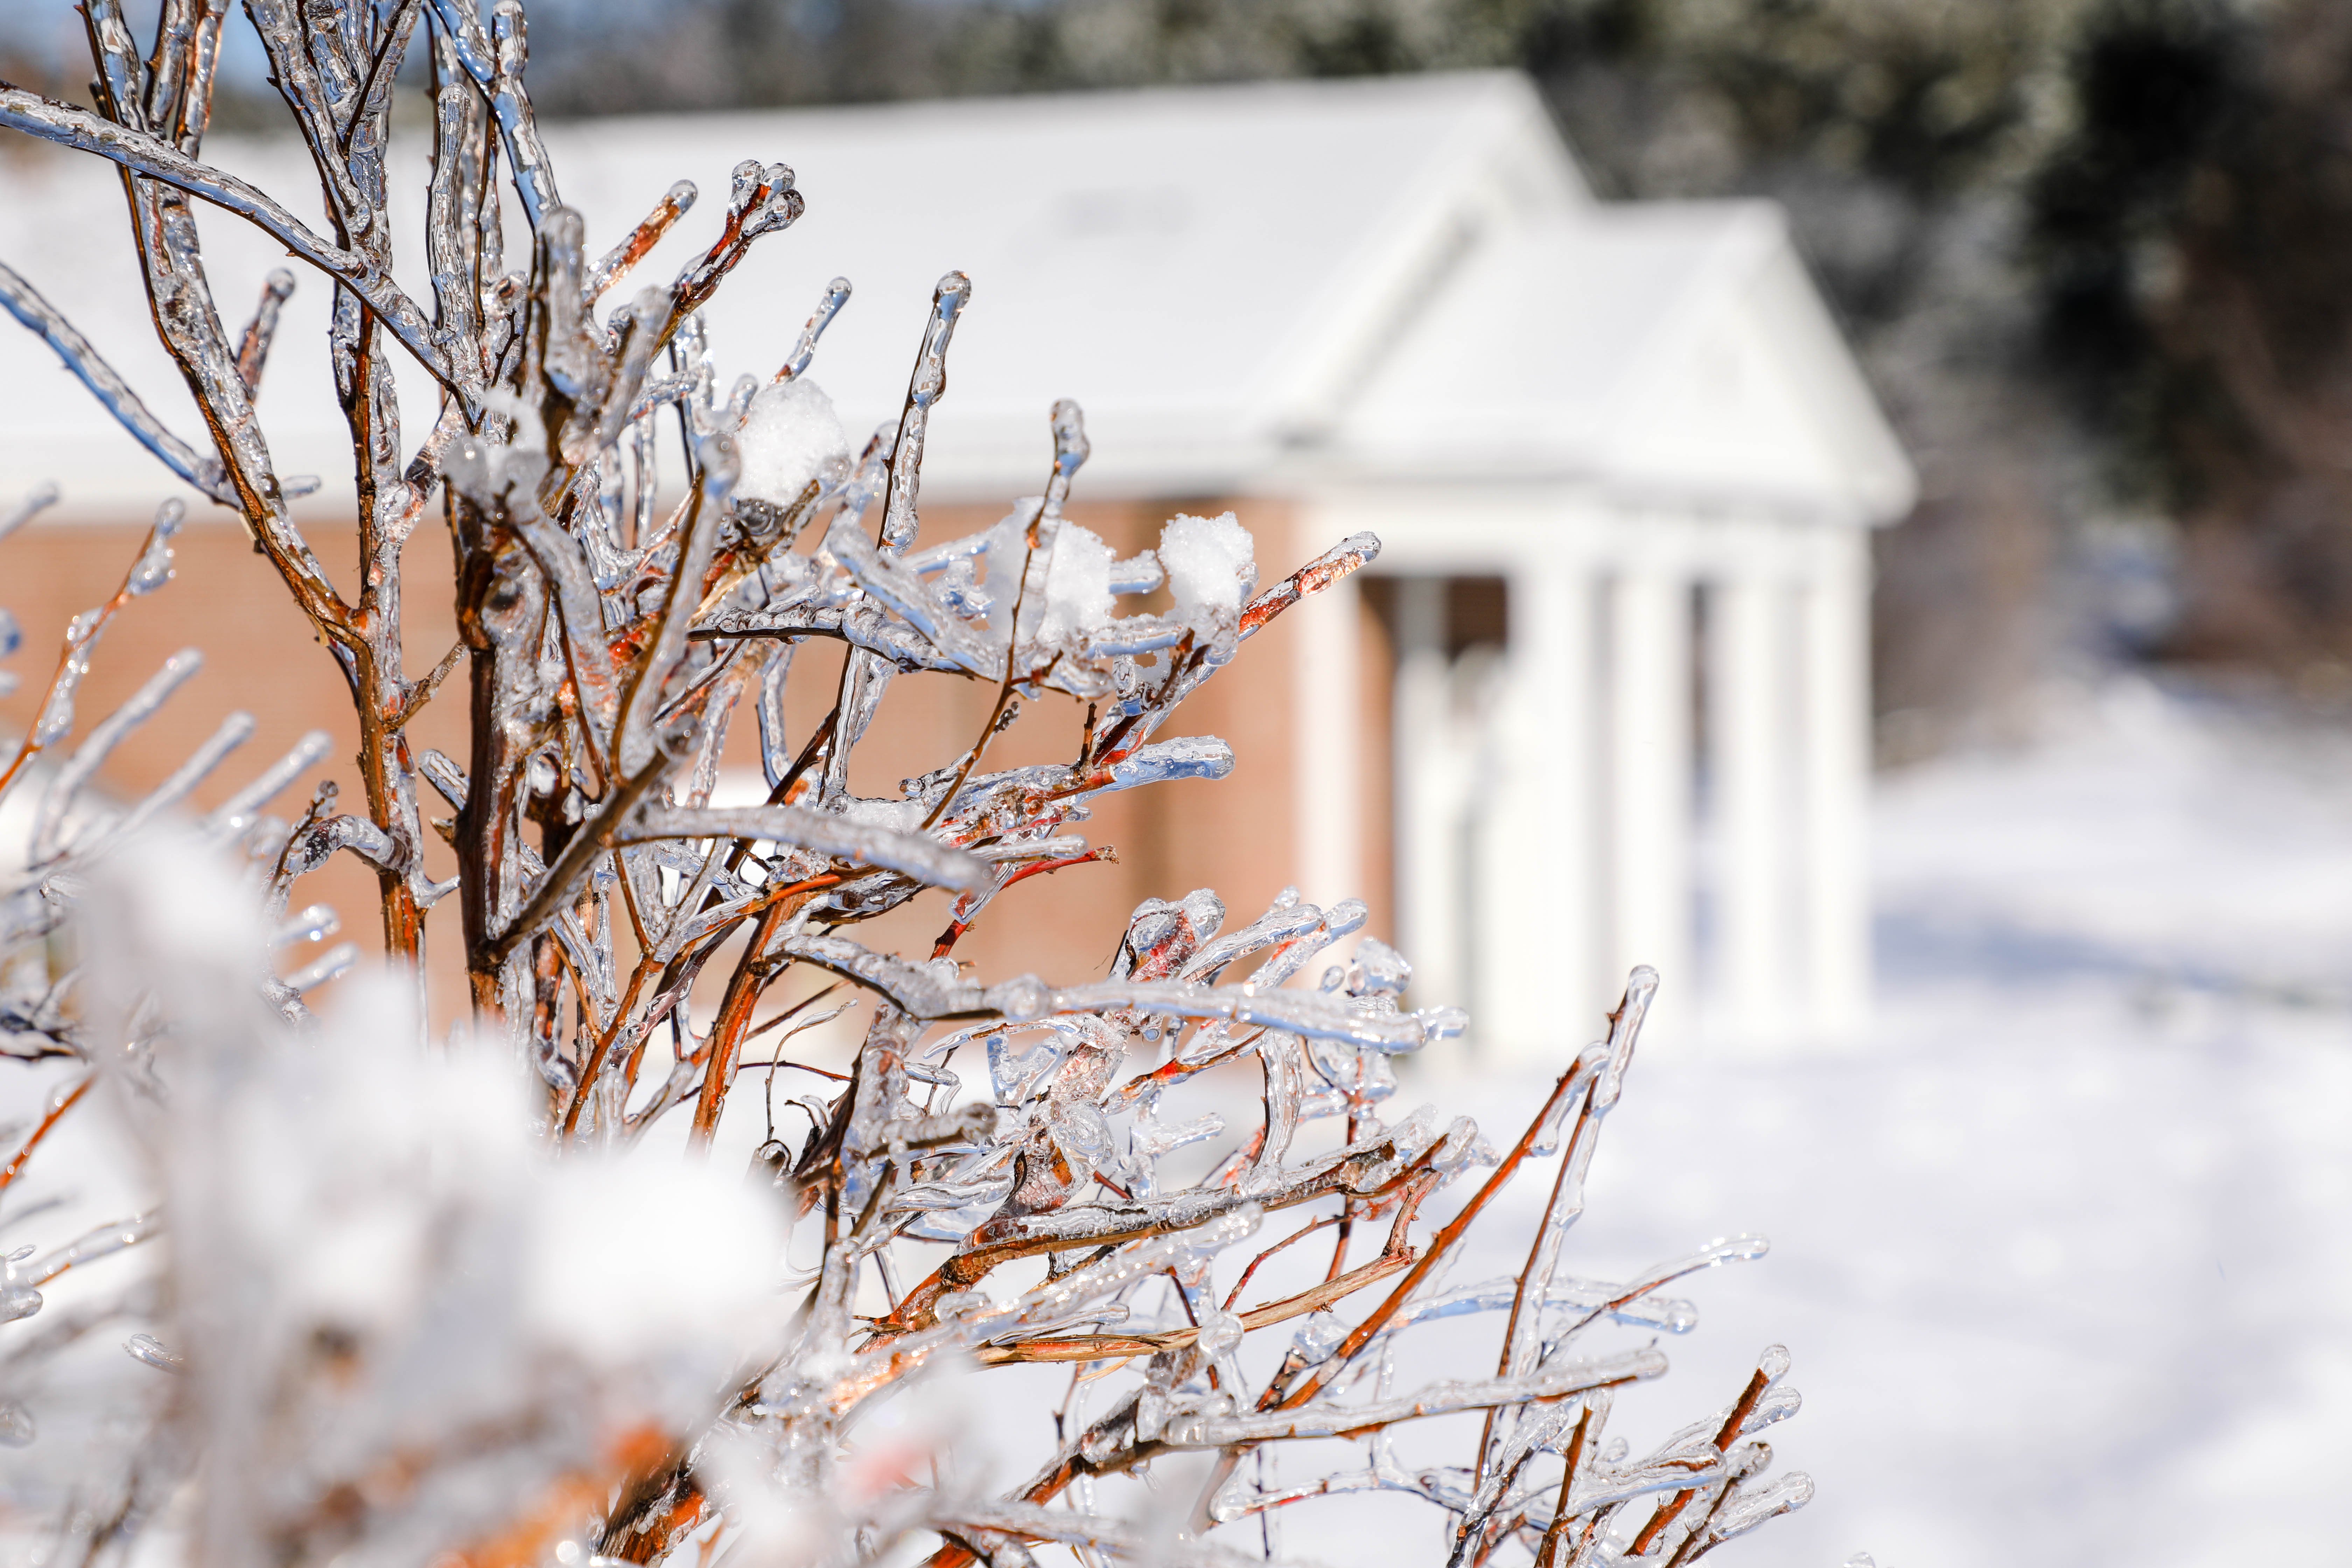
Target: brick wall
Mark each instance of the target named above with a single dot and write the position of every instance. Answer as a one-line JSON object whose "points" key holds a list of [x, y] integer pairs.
{"points": [[261, 655]]}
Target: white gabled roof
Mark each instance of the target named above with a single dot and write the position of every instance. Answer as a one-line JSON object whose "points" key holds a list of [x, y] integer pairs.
{"points": [[1200, 267], [1247, 287], [1672, 348]]}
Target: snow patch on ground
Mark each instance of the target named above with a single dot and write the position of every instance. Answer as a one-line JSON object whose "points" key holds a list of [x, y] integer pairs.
{"points": [[2059, 1247]]}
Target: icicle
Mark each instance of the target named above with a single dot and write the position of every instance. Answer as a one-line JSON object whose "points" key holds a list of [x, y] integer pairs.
{"points": [[154, 567]]}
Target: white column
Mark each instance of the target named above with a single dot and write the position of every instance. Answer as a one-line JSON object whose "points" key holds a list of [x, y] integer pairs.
{"points": [[1327, 741], [1650, 777], [1428, 798], [1535, 990], [1752, 712], [1836, 783]]}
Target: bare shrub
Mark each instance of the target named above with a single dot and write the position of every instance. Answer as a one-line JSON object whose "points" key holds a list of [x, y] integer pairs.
{"points": [[450, 1303]]}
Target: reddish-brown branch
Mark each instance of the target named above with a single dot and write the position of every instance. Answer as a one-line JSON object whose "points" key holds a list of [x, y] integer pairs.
{"points": [[1585, 1120], [1438, 1247], [752, 973], [1547, 1554], [1108, 1347], [15, 1166], [956, 929], [1300, 1233], [1727, 1434]]}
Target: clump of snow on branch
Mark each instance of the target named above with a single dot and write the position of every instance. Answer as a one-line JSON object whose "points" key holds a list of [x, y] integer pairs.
{"points": [[495, 1301], [1211, 567], [790, 434]]}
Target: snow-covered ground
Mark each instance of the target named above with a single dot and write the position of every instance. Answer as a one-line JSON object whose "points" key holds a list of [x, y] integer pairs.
{"points": [[2063, 1248]]}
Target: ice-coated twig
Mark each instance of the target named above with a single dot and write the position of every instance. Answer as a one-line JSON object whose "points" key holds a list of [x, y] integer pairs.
{"points": [[253, 344], [675, 204], [1320, 1420], [498, 73], [150, 572], [1603, 1071], [924, 993], [79, 129], [237, 812], [107, 735], [36, 502], [112, 392], [836, 295], [89, 1248], [861, 843], [61, 1100]]}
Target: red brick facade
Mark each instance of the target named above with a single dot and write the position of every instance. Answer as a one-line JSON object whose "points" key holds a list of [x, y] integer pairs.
{"points": [[261, 655]]}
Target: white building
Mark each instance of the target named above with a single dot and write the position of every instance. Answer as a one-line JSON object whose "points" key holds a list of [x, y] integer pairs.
{"points": [[1624, 441]]}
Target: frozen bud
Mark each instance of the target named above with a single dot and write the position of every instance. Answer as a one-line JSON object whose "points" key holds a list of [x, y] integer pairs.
{"points": [[1220, 1332], [1380, 970], [1317, 1337], [18, 1301], [154, 566], [1206, 911], [1083, 1137]]}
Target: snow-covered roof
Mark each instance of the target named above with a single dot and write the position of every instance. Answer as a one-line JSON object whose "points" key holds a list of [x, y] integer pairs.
{"points": [[1247, 287], [1668, 348]]}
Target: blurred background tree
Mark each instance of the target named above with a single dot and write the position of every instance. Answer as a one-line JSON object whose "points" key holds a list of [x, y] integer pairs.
{"points": [[2089, 250]]}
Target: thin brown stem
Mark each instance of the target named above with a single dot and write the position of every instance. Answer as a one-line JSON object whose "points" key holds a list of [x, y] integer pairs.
{"points": [[57, 1112]]}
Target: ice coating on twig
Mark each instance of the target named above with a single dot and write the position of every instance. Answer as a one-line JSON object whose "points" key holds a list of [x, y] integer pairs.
{"points": [[836, 295]]}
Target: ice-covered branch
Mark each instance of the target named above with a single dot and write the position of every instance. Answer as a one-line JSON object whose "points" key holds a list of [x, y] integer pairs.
{"points": [[26, 304], [133, 149], [1319, 1420]]}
